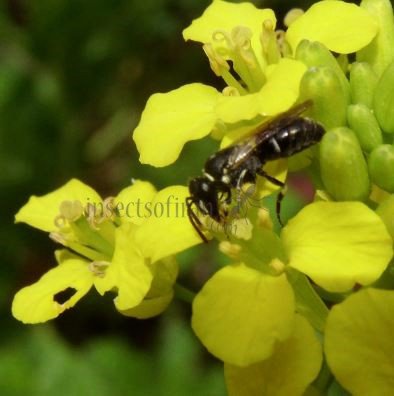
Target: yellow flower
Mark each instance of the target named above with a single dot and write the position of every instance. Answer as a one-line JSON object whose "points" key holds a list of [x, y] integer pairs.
{"points": [[342, 27], [245, 309], [293, 366], [264, 81], [359, 342], [110, 247], [241, 313], [338, 244]]}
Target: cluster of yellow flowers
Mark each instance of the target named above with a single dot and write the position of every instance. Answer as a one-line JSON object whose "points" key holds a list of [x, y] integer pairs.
{"points": [[263, 315]]}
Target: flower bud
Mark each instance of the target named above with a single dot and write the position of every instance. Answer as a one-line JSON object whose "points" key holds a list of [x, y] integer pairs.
{"points": [[322, 85], [313, 53], [343, 167], [365, 126], [386, 211], [381, 167], [380, 52], [384, 100], [363, 82]]}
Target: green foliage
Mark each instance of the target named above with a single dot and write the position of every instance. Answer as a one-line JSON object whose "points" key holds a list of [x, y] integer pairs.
{"points": [[41, 363]]}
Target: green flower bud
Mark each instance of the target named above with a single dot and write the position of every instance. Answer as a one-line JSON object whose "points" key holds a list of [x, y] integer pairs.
{"points": [[313, 53], [386, 211], [343, 167], [322, 85], [365, 126], [381, 167], [384, 100], [380, 52], [363, 81]]}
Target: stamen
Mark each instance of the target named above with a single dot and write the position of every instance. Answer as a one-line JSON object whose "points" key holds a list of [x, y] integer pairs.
{"points": [[241, 38], [232, 82], [231, 250], [218, 63], [245, 61], [221, 67], [60, 221], [284, 46], [106, 212], [91, 215], [77, 247], [230, 91], [219, 130], [269, 42], [237, 47], [221, 36], [109, 208], [264, 219], [98, 268], [242, 228], [277, 266]]}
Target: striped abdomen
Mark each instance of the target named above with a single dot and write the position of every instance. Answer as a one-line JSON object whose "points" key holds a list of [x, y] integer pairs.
{"points": [[291, 139]]}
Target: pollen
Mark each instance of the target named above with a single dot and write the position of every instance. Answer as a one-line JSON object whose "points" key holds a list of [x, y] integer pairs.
{"points": [[98, 268]]}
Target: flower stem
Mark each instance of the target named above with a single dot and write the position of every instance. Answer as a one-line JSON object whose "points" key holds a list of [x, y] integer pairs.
{"points": [[324, 378], [184, 294]]}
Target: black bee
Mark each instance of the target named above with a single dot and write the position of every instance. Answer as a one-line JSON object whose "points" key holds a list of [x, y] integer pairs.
{"points": [[232, 167]]}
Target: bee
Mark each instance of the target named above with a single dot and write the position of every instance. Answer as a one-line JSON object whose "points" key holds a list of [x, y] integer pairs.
{"points": [[230, 168]]}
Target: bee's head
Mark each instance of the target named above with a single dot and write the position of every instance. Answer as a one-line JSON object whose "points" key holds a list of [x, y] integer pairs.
{"points": [[200, 187], [203, 192]]}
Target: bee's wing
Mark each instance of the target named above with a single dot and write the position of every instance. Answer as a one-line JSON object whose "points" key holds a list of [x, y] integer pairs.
{"points": [[283, 119], [263, 132]]}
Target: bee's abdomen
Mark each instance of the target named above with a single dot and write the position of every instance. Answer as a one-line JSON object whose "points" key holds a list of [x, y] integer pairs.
{"points": [[291, 139]]}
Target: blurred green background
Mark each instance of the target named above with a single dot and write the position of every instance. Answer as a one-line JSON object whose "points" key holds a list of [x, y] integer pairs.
{"points": [[74, 78]]}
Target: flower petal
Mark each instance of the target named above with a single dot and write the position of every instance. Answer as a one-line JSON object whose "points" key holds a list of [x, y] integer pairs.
{"points": [[340, 26], [40, 212], [293, 366], [277, 95], [36, 303], [128, 272], [172, 119], [338, 244], [150, 307], [222, 15], [131, 202], [241, 313], [167, 230], [160, 293], [359, 342]]}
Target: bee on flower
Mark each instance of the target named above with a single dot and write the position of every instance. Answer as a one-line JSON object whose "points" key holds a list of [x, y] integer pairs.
{"points": [[266, 315]]}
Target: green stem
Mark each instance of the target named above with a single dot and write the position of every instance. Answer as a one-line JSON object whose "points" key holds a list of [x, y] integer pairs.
{"points": [[324, 379], [308, 302], [183, 294]]}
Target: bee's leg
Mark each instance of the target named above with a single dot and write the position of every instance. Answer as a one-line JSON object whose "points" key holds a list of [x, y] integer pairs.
{"points": [[194, 220], [280, 195], [240, 183]]}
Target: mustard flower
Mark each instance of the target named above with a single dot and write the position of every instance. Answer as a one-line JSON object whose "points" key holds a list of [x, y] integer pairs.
{"points": [[109, 246], [263, 314], [251, 312], [264, 80], [359, 342], [317, 243]]}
